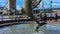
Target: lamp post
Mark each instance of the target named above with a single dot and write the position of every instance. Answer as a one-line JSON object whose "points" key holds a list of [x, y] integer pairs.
{"points": [[44, 18], [51, 5]]}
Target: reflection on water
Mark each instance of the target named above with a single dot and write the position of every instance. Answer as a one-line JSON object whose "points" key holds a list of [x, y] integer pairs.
{"points": [[30, 29]]}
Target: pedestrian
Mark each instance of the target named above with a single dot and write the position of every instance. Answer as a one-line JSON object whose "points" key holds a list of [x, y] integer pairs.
{"points": [[51, 16], [41, 16], [45, 17], [56, 17]]}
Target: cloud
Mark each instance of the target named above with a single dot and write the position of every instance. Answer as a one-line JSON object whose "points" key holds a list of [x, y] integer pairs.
{"points": [[56, 0], [55, 4], [47, 4], [18, 7], [19, 4], [3, 0], [3, 4]]}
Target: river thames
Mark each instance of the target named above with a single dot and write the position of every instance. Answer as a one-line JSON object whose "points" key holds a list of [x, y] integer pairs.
{"points": [[30, 29]]}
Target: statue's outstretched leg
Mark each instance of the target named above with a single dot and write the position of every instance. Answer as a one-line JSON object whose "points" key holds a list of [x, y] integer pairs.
{"points": [[41, 24], [37, 28]]}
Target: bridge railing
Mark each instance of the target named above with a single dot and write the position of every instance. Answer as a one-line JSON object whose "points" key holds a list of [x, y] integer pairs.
{"points": [[13, 17]]}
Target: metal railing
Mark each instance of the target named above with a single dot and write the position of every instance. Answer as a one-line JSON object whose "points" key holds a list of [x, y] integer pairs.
{"points": [[13, 17]]}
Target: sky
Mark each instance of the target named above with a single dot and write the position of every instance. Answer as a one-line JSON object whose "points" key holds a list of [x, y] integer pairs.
{"points": [[47, 4], [19, 3]]}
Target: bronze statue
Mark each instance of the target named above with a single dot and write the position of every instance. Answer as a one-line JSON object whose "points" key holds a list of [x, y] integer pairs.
{"points": [[27, 7]]}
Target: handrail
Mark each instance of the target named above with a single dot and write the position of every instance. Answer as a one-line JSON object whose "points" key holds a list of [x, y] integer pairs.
{"points": [[13, 22]]}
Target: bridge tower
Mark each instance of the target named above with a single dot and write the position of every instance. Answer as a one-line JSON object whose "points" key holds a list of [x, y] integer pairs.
{"points": [[12, 4]]}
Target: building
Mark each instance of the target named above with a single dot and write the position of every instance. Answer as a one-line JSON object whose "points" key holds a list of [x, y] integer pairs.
{"points": [[3, 10], [56, 12]]}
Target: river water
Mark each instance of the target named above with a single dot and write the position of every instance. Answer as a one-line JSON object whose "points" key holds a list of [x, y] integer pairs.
{"points": [[30, 29]]}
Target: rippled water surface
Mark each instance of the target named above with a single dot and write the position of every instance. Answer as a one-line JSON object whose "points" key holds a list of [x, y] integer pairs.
{"points": [[30, 29]]}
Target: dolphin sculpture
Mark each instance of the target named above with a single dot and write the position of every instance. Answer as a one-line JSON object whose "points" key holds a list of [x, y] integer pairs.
{"points": [[27, 7]]}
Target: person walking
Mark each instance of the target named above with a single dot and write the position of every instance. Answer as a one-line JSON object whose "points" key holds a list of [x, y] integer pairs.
{"points": [[56, 12]]}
